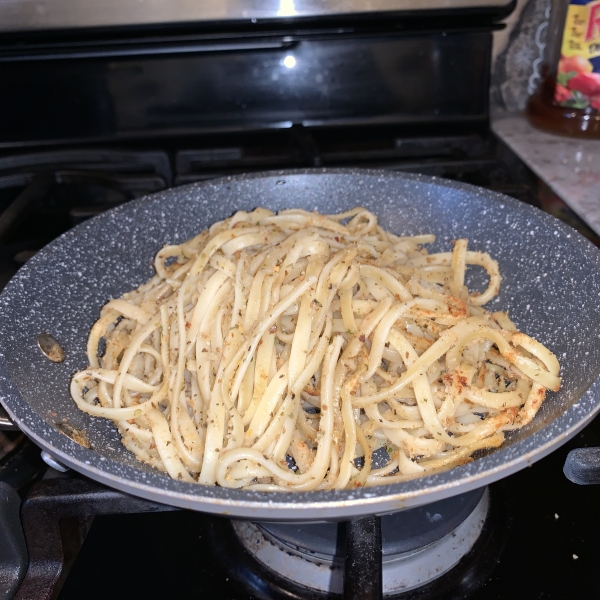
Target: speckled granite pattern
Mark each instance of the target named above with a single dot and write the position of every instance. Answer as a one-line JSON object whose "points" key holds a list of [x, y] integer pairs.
{"points": [[569, 166], [551, 287]]}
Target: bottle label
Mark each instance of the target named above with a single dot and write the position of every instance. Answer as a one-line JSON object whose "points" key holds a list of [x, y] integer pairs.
{"points": [[578, 74]]}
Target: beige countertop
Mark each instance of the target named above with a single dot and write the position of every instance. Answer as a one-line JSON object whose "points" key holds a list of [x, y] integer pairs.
{"points": [[570, 167]]}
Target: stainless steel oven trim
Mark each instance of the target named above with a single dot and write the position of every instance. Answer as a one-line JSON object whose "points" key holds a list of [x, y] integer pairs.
{"points": [[35, 15]]}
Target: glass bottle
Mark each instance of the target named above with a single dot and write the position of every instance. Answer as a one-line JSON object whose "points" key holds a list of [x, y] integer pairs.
{"points": [[568, 98]]}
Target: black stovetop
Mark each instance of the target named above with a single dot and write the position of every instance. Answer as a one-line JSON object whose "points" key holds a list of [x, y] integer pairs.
{"points": [[540, 542]]}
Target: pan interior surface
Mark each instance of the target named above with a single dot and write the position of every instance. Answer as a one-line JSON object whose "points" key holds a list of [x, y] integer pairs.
{"points": [[550, 286]]}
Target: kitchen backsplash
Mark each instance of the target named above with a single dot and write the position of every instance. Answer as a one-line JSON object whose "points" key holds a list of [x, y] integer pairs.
{"points": [[518, 56]]}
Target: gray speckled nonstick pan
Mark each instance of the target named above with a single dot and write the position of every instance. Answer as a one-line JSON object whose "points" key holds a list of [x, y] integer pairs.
{"points": [[551, 286]]}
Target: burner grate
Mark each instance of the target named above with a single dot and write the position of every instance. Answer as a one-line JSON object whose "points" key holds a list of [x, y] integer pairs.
{"points": [[44, 194], [470, 158], [58, 511]]}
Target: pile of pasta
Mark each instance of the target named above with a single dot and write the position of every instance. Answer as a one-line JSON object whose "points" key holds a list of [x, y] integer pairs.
{"points": [[283, 351]]}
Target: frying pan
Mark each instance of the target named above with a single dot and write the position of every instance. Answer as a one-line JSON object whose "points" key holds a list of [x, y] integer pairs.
{"points": [[551, 285]]}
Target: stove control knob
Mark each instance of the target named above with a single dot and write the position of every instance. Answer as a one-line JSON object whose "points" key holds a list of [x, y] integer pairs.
{"points": [[583, 466]]}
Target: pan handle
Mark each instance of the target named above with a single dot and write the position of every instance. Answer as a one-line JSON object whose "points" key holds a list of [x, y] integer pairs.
{"points": [[5, 423], [583, 466]]}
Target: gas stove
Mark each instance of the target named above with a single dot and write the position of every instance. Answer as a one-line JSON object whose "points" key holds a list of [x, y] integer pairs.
{"points": [[530, 535], [496, 540], [96, 113]]}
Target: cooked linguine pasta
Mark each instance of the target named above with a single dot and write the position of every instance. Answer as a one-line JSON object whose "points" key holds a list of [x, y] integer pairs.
{"points": [[284, 351]]}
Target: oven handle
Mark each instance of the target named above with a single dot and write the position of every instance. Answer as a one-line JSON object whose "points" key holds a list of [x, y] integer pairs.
{"points": [[147, 49], [583, 466]]}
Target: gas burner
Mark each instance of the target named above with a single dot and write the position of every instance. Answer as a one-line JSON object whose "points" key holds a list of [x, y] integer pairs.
{"points": [[20, 462], [8, 442], [419, 545]]}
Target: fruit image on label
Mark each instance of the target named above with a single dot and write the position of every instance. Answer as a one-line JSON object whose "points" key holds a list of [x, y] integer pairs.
{"points": [[578, 74]]}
